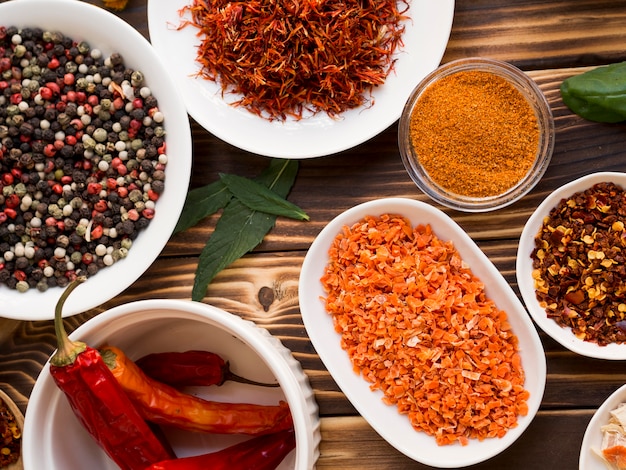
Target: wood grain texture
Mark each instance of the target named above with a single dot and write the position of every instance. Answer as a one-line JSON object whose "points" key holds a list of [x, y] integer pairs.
{"points": [[551, 41]]}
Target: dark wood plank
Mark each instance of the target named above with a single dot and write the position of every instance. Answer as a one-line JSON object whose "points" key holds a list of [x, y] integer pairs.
{"points": [[551, 441]]}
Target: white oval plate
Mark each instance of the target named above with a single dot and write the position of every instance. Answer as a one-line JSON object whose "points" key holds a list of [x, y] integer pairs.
{"points": [[386, 420], [593, 435], [107, 32], [55, 440], [425, 40], [524, 269]]}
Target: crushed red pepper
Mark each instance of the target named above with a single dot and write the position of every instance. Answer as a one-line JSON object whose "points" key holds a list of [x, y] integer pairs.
{"points": [[10, 436], [294, 58], [578, 264]]}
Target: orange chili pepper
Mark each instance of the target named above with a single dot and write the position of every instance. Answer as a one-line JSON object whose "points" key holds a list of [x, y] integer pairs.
{"points": [[163, 404]]}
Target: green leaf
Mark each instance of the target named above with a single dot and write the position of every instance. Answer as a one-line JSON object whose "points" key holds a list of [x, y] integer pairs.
{"points": [[240, 229], [203, 202], [260, 198]]}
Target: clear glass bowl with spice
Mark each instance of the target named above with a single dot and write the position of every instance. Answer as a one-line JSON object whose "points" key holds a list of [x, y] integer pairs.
{"points": [[476, 134]]}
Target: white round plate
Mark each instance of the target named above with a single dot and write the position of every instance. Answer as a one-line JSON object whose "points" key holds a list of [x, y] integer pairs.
{"points": [[107, 32], [524, 270], [391, 425], [55, 440], [425, 40], [593, 435]]}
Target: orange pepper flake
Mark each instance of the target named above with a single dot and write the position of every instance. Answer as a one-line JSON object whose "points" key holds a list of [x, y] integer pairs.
{"points": [[418, 326]]}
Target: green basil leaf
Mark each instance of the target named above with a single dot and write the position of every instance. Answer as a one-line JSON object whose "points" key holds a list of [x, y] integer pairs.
{"points": [[260, 198], [240, 229], [203, 202]]}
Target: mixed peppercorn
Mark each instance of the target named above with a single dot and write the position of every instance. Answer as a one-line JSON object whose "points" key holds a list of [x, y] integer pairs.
{"points": [[579, 267], [82, 158]]}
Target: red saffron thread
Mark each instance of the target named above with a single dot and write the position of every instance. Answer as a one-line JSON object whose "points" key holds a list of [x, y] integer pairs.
{"points": [[297, 57]]}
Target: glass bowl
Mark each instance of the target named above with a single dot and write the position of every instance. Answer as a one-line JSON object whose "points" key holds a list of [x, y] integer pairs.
{"points": [[443, 193]]}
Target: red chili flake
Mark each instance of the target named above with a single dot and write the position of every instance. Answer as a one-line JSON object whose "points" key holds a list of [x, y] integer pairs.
{"points": [[579, 264], [10, 436], [291, 58]]}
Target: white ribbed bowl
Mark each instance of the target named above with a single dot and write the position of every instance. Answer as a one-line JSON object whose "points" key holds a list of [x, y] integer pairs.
{"points": [[54, 439]]}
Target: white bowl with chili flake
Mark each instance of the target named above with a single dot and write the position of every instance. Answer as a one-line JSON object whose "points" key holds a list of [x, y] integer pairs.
{"points": [[393, 313], [572, 289], [476, 134], [54, 439], [105, 32]]}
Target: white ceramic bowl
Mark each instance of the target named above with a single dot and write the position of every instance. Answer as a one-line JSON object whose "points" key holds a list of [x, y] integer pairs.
{"points": [[524, 270], [424, 42], [54, 440], [105, 31], [385, 419], [593, 434]]}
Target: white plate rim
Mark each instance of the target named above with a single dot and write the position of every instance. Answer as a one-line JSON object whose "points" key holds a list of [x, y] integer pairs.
{"points": [[395, 428], [106, 284], [593, 436], [426, 38], [563, 336]]}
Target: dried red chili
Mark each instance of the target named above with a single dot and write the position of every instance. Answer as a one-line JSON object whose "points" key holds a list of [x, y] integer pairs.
{"points": [[295, 57], [259, 453], [99, 402], [160, 403], [579, 267], [190, 368]]}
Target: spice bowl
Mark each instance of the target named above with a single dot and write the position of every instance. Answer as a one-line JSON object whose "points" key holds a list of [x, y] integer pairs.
{"points": [[594, 257], [53, 437], [476, 134], [327, 334], [12, 420], [104, 38]]}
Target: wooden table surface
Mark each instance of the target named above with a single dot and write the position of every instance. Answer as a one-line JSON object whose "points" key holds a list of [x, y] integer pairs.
{"points": [[551, 40]]}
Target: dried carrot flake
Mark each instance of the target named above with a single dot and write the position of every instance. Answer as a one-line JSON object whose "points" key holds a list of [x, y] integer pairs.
{"points": [[417, 325]]}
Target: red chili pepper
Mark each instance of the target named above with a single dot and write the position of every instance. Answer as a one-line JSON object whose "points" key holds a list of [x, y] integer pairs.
{"points": [[259, 453], [191, 368], [163, 404], [99, 402]]}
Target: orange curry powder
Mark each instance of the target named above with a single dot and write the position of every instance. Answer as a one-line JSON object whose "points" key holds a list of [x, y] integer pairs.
{"points": [[474, 133]]}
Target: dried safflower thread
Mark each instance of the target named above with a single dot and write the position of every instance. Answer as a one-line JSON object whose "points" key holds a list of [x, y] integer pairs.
{"points": [[579, 264], [474, 133], [291, 59]]}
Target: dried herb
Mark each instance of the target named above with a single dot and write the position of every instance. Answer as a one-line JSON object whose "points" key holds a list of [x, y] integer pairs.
{"points": [[240, 227], [289, 58]]}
